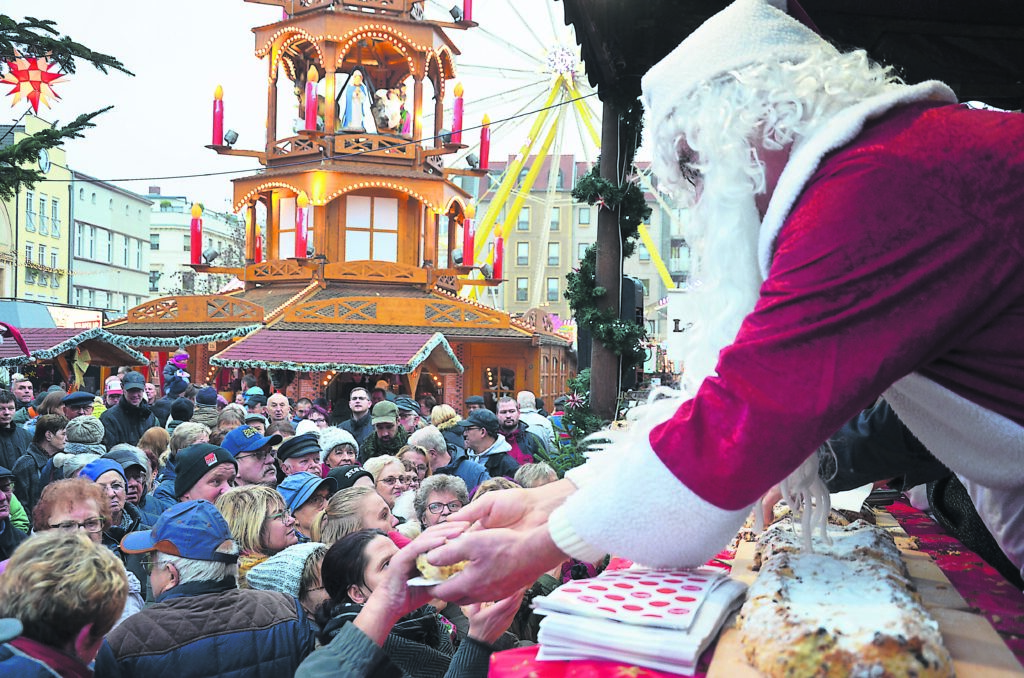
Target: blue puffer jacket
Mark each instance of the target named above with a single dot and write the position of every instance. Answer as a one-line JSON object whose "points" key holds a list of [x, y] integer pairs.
{"points": [[204, 629], [161, 498]]}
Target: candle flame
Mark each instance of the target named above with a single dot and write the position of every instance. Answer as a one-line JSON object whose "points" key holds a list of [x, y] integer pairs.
{"points": [[487, 119], [311, 74], [458, 89], [218, 93], [470, 211], [302, 201], [197, 210]]}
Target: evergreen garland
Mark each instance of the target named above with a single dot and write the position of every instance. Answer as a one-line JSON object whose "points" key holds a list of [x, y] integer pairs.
{"points": [[623, 337]]}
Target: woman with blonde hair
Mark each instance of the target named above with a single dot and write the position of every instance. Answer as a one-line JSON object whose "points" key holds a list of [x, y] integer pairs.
{"points": [[67, 592], [351, 510], [259, 522], [389, 475], [155, 442], [446, 419]]}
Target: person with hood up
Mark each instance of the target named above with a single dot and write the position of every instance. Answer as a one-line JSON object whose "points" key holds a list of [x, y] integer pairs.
{"points": [[486, 445], [206, 410]]}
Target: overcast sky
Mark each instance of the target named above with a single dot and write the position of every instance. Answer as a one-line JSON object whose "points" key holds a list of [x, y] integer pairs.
{"points": [[181, 51]]}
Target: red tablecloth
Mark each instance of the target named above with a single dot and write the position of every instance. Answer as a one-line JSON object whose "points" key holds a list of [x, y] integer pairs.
{"points": [[979, 583]]}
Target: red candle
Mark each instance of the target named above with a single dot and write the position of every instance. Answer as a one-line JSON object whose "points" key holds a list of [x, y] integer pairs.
{"points": [[499, 257], [196, 234], [258, 253], [485, 142], [457, 115], [301, 225], [468, 236], [467, 10], [218, 116], [311, 77]]}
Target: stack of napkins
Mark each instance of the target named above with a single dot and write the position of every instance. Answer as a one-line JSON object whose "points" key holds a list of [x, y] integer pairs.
{"points": [[661, 619]]}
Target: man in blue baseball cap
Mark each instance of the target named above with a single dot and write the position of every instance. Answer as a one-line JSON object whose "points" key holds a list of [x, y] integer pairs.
{"points": [[254, 453], [305, 495], [201, 623]]}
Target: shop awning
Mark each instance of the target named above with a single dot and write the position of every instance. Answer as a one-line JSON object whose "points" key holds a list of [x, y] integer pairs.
{"points": [[357, 352], [45, 344]]}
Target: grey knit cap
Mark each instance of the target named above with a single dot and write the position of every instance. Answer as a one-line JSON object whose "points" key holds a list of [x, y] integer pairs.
{"points": [[86, 429], [283, 571]]}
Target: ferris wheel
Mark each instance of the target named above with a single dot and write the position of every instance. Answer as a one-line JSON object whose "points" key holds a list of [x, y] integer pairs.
{"points": [[521, 68]]}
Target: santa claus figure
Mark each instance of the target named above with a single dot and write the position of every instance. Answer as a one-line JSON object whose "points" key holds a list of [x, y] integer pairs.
{"points": [[856, 238]]}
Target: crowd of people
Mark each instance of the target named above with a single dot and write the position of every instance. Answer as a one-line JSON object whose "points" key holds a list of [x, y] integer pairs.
{"points": [[248, 538]]}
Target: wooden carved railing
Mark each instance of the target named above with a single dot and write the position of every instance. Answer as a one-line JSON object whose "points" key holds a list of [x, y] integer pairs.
{"points": [[390, 7], [536, 319], [377, 146], [377, 271], [278, 269], [294, 147], [400, 312], [212, 308]]}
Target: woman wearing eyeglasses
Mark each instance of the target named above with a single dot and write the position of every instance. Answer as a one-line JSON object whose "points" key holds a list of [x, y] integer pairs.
{"points": [[390, 477], [259, 522], [124, 518], [438, 497], [76, 505]]}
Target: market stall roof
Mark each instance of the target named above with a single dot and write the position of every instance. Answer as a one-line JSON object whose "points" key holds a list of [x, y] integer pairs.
{"points": [[47, 343], [320, 351]]}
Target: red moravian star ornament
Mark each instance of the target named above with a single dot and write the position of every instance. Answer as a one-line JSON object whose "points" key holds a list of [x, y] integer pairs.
{"points": [[32, 78]]}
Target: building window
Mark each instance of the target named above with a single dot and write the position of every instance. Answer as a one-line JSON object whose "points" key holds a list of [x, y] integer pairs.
{"points": [[154, 280], [523, 219], [522, 254], [42, 255], [371, 228], [126, 253], [646, 283], [91, 249], [584, 216], [643, 253], [552, 289], [81, 196], [138, 254], [522, 289], [79, 238], [554, 253], [92, 296], [44, 221], [54, 258], [556, 215], [55, 217], [186, 244], [92, 199], [154, 241], [30, 212], [28, 253], [78, 296], [188, 281], [581, 250]]}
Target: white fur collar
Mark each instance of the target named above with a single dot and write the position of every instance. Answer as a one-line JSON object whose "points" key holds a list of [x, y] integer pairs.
{"points": [[837, 132]]}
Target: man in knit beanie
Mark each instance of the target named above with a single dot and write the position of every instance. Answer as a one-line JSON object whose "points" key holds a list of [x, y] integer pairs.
{"points": [[181, 411], [84, 434]]}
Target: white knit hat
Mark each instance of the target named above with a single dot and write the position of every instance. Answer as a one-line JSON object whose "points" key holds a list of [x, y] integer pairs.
{"points": [[744, 33], [331, 437], [306, 426], [283, 570]]}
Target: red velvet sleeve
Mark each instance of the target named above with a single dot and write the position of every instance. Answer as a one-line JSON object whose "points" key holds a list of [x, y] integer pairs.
{"points": [[889, 263]]}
